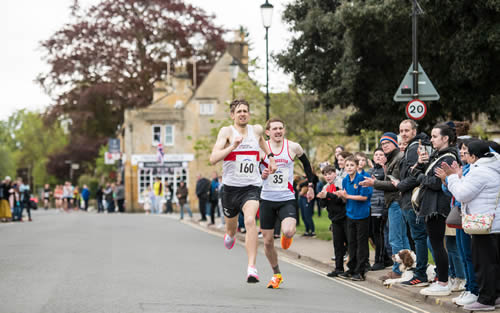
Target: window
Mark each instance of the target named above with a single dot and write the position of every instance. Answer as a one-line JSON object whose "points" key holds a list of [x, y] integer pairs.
{"points": [[169, 135], [156, 135], [206, 108]]}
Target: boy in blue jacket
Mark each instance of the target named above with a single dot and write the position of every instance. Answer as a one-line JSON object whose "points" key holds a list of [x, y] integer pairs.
{"points": [[358, 216]]}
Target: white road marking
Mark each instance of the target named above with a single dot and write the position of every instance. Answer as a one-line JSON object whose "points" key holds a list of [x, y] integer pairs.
{"points": [[359, 288]]}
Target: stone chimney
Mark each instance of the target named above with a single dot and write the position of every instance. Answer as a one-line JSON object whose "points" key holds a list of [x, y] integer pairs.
{"points": [[238, 48]]}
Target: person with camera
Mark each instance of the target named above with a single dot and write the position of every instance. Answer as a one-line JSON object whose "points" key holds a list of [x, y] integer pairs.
{"points": [[430, 201]]}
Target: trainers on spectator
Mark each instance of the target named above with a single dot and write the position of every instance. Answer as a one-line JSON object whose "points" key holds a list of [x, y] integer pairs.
{"points": [[460, 296], [377, 267], [467, 299], [358, 277], [456, 284], [436, 289], [416, 282], [476, 306]]}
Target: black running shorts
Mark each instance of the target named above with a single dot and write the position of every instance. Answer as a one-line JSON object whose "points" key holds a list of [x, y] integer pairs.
{"points": [[234, 198], [271, 210]]}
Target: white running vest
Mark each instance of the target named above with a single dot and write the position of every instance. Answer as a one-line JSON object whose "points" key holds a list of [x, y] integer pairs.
{"points": [[279, 186], [240, 167]]}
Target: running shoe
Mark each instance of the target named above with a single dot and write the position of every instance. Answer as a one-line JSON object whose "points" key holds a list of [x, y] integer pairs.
{"points": [[252, 276], [415, 281], [286, 242], [275, 281], [228, 241]]}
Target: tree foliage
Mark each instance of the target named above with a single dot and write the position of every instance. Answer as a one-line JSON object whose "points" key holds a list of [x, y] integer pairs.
{"points": [[30, 141], [109, 57], [357, 52]]}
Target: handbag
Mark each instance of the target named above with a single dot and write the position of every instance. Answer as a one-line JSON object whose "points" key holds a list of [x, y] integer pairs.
{"points": [[454, 219], [417, 194], [479, 223]]}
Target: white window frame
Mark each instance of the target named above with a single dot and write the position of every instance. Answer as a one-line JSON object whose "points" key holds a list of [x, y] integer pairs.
{"points": [[173, 135], [207, 108], [153, 143]]}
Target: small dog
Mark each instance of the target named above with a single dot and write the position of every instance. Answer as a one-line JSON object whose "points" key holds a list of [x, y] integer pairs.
{"points": [[407, 260]]}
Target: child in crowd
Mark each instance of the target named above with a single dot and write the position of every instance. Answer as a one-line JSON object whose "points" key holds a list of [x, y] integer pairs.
{"points": [[362, 161], [358, 213], [378, 213], [335, 207]]}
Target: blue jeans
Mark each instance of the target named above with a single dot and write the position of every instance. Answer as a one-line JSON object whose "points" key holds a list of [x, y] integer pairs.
{"points": [[397, 232], [456, 267], [464, 248], [306, 209], [181, 209], [419, 235]]}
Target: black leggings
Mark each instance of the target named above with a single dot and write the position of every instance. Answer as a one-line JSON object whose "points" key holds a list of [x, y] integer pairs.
{"points": [[436, 226]]}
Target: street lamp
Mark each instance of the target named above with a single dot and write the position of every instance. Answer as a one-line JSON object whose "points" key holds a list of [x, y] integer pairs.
{"points": [[267, 16], [233, 68]]}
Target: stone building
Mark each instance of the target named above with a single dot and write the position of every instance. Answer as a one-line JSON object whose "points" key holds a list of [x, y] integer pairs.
{"points": [[178, 116]]}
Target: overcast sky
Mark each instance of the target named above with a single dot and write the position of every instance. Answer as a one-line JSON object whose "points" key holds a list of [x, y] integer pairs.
{"points": [[23, 24]]}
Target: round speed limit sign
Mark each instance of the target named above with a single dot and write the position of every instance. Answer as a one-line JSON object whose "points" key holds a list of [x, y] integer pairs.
{"points": [[416, 109]]}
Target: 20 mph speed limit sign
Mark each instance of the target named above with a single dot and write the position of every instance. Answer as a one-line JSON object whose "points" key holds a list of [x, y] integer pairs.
{"points": [[416, 109]]}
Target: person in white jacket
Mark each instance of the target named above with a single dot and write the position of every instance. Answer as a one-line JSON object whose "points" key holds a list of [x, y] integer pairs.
{"points": [[479, 192]]}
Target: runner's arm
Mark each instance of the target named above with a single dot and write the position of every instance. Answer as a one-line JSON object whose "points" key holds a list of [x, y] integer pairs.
{"points": [[219, 152], [299, 152], [262, 143]]}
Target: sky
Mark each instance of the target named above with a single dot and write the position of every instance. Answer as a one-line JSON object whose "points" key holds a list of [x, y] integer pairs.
{"points": [[23, 24]]}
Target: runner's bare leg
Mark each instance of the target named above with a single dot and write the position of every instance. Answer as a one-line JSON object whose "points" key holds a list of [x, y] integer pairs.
{"points": [[231, 226], [288, 226], [250, 211], [271, 254]]}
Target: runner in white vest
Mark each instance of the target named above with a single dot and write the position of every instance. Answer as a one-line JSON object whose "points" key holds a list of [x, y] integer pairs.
{"points": [[239, 146], [278, 195]]}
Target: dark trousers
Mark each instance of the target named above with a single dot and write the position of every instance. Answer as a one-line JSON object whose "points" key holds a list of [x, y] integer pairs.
{"points": [[377, 225], [486, 259], [169, 208], [357, 237], [27, 206], [85, 204], [121, 207], [202, 202], [111, 206], [436, 226], [100, 206], [339, 233], [213, 209]]}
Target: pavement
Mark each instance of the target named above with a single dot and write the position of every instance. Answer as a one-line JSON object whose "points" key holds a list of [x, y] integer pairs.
{"points": [[319, 252]]}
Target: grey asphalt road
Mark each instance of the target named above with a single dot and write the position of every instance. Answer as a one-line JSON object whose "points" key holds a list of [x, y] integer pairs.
{"points": [[79, 262]]}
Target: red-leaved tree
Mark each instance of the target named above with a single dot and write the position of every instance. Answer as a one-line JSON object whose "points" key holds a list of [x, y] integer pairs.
{"points": [[108, 59]]}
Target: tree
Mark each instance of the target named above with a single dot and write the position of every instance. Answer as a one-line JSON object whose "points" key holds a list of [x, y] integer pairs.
{"points": [[357, 52], [110, 56], [31, 142]]}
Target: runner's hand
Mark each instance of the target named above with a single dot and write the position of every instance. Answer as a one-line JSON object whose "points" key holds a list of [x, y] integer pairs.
{"points": [[272, 166], [321, 195], [237, 141], [265, 173]]}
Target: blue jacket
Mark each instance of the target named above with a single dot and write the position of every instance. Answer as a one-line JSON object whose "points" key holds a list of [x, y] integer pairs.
{"points": [[357, 210], [85, 193]]}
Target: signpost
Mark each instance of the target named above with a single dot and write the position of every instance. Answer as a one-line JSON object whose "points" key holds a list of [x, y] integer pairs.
{"points": [[416, 87], [416, 109]]}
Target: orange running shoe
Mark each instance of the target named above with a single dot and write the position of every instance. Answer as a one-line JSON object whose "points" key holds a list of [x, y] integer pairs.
{"points": [[286, 242], [275, 282]]}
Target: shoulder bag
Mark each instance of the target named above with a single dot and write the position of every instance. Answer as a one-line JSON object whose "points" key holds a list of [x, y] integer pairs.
{"points": [[416, 196], [479, 223]]}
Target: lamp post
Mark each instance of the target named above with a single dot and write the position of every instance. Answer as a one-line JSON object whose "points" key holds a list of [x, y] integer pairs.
{"points": [[267, 16], [233, 68]]}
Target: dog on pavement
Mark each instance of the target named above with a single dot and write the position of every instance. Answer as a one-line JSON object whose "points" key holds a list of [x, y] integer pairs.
{"points": [[407, 260]]}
